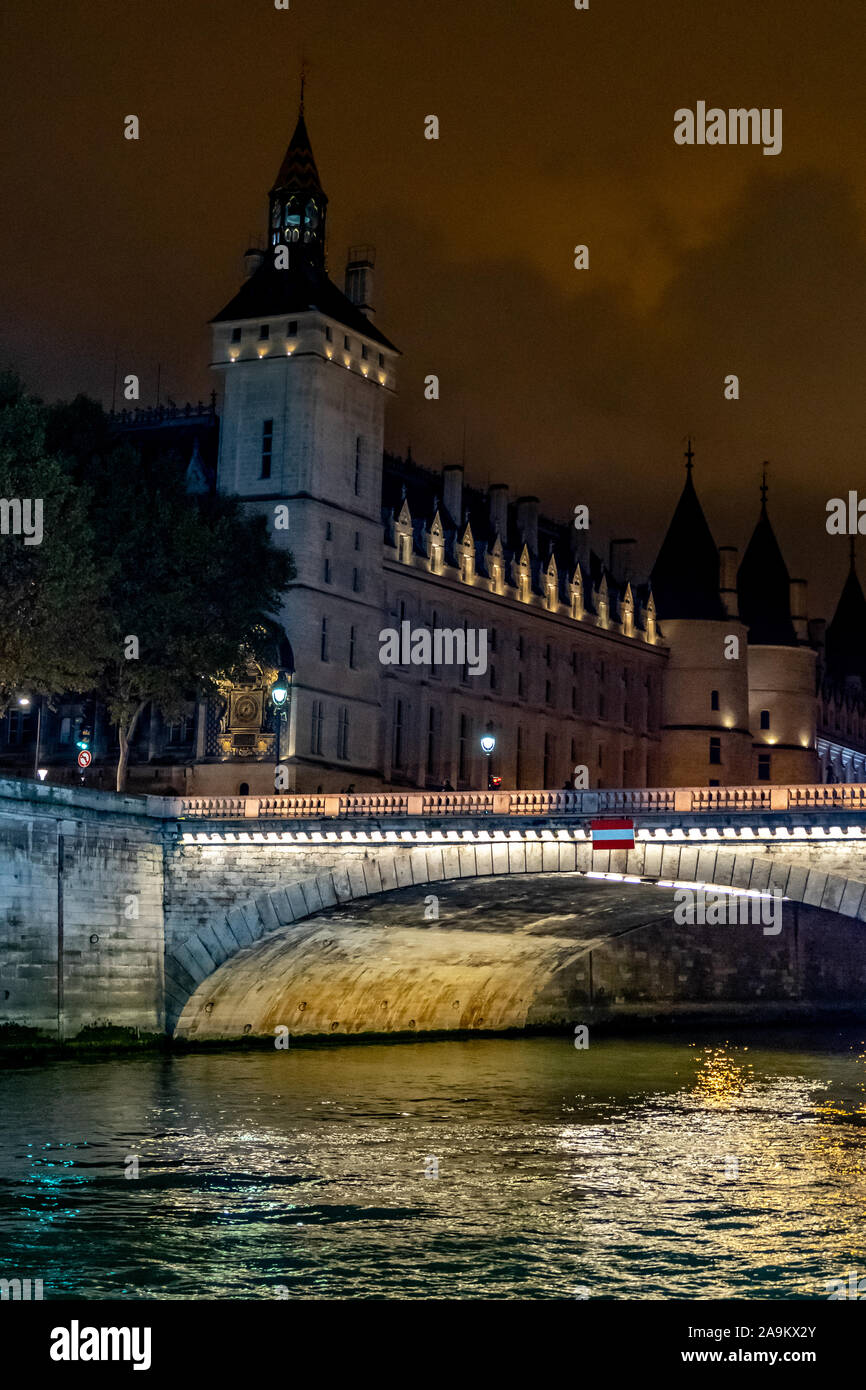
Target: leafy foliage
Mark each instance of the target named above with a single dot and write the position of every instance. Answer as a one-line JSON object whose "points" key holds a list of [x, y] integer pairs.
{"points": [[51, 594], [193, 579]]}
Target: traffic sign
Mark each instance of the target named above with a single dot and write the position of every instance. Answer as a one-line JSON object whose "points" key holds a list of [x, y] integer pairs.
{"points": [[612, 834], [85, 758]]}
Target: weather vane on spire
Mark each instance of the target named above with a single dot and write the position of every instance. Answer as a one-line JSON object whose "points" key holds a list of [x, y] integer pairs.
{"points": [[690, 454], [304, 70], [764, 484]]}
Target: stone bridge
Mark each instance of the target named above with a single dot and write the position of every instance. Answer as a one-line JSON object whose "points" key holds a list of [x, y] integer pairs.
{"points": [[404, 914]]}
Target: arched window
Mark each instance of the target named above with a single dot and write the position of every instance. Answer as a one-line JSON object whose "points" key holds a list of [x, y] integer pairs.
{"points": [[311, 220], [244, 789], [293, 220]]}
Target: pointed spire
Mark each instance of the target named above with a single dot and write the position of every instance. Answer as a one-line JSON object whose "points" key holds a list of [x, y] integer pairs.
{"points": [[685, 577], [845, 642], [764, 585], [298, 169]]}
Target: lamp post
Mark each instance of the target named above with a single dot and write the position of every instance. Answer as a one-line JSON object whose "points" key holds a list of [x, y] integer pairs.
{"points": [[488, 743], [25, 703], [281, 699]]}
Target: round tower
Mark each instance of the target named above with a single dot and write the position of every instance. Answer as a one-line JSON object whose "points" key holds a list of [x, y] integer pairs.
{"points": [[705, 726], [783, 702]]}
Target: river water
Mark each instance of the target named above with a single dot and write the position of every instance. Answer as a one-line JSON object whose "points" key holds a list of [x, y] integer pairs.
{"points": [[648, 1168]]}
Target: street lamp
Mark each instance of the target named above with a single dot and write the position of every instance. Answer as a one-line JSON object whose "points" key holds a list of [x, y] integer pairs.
{"points": [[281, 699], [488, 743], [25, 702]]}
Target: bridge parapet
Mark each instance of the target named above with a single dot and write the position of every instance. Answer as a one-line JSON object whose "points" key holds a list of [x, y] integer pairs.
{"points": [[650, 801]]}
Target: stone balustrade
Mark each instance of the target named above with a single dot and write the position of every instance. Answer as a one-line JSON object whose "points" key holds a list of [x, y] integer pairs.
{"points": [[641, 801]]}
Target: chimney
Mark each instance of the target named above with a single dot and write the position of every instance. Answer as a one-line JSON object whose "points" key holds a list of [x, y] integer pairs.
{"points": [[728, 579], [359, 278], [452, 492], [799, 610], [622, 560], [252, 260], [816, 629], [497, 495], [527, 522]]}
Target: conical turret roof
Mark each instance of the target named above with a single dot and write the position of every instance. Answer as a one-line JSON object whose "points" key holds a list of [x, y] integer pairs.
{"points": [[298, 169], [845, 641], [685, 577], [764, 587]]}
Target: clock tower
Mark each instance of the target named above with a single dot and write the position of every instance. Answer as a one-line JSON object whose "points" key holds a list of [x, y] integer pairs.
{"points": [[307, 375]]}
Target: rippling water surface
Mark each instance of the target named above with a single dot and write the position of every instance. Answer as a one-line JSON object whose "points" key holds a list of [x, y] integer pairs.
{"points": [[648, 1168]]}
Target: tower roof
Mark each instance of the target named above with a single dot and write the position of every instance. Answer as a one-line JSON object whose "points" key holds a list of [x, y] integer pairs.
{"points": [[846, 632], [296, 228], [764, 586], [302, 286], [298, 169], [685, 577]]}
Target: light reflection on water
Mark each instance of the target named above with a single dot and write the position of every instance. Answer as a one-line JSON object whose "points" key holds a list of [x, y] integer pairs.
{"points": [[645, 1168]]}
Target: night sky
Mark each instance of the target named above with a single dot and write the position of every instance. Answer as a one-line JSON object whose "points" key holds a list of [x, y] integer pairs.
{"points": [[556, 129]]}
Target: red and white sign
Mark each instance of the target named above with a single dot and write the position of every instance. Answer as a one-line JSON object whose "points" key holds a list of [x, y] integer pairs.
{"points": [[85, 758], [612, 834]]}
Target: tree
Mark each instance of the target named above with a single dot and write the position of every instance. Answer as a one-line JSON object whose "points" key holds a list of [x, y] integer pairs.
{"points": [[136, 592], [51, 589], [192, 584]]}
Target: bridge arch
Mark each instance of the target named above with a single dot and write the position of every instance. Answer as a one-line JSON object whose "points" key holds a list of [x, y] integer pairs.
{"points": [[263, 933]]}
